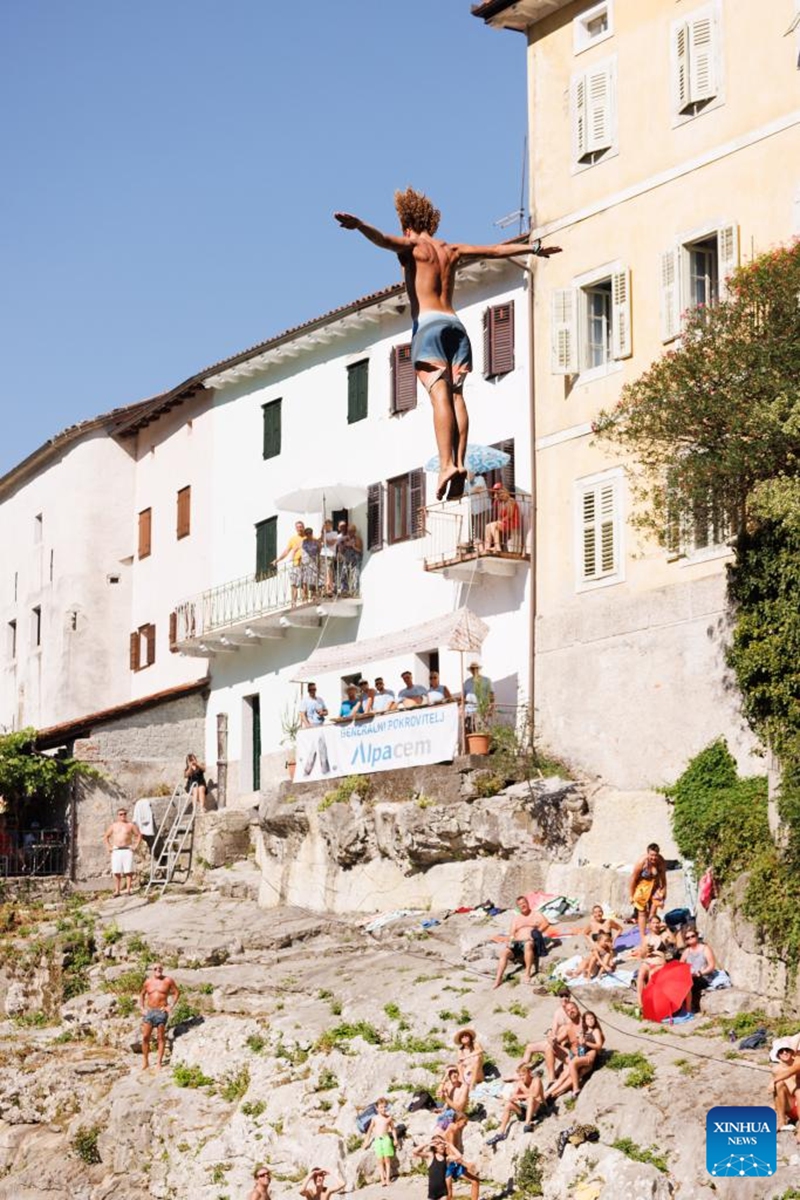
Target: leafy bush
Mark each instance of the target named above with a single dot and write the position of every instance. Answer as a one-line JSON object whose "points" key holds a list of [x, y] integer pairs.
{"points": [[354, 1142], [128, 982], [528, 1177], [253, 1108], [183, 1011], [126, 1006], [84, 1144], [339, 1035], [416, 1045], [190, 1077], [256, 1042], [642, 1071], [639, 1154], [358, 785], [511, 1044], [112, 934], [234, 1085], [326, 1081]]}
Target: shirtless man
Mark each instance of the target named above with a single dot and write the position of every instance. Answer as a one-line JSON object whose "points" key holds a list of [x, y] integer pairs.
{"points": [[648, 886], [317, 1186], [526, 1098], [785, 1088], [121, 838], [154, 1002], [564, 1028], [457, 1166], [454, 1091], [263, 1179], [440, 347], [522, 936]]}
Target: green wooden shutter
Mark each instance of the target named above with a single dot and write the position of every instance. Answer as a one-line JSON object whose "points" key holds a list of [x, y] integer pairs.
{"points": [[357, 383], [266, 547], [272, 428]]}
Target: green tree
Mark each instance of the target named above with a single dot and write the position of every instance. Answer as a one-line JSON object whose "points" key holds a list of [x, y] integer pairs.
{"points": [[25, 773]]}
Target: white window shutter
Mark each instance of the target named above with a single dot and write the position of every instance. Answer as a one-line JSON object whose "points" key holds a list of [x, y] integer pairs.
{"points": [[598, 99], [564, 331], [727, 255], [599, 531], [621, 314], [702, 61], [670, 294], [682, 90], [580, 142], [607, 530], [589, 514]]}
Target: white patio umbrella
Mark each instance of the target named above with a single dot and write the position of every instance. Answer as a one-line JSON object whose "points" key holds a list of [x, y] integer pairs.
{"points": [[322, 497]]}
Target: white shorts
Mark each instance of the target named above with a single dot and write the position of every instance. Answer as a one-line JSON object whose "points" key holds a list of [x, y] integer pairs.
{"points": [[122, 862]]}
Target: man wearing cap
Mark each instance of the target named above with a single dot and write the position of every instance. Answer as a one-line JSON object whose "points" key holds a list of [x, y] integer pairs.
{"points": [[411, 694], [476, 688], [352, 705], [785, 1086]]}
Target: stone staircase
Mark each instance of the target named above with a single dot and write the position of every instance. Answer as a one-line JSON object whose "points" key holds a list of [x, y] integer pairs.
{"points": [[623, 823]]}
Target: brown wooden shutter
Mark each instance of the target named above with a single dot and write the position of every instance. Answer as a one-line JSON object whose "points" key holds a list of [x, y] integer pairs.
{"points": [[134, 650], [184, 523], [498, 340], [374, 516], [507, 473], [145, 532], [149, 634], [404, 379], [416, 522], [173, 632]]}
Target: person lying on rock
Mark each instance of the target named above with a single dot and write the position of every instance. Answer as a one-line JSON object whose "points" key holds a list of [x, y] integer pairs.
{"points": [[318, 1185], [785, 1088], [584, 1049], [380, 1135], [555, 1044], [526, 937], [263, 1179], [457, 1167], [527, 1097], [599, 961], [439, 1156]]}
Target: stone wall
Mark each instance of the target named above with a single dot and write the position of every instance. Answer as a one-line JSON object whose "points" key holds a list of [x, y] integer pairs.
{"points": [[139, 754]]}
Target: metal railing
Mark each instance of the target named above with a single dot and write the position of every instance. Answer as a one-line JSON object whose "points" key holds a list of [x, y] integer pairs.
{"points": [[254, 596], [458, 530]]}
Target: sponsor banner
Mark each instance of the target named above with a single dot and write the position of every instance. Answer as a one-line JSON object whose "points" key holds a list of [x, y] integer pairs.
{"points": [[741, 1142], [410, 738]]}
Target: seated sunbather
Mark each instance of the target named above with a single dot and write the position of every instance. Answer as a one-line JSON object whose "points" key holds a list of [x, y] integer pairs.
{"points": [[600, 959], [527, 1097], [584, 1049]]}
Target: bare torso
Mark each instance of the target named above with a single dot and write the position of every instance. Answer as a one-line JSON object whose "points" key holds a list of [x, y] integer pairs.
{"points": [[156, 992], [429, 266], [122, 834]]}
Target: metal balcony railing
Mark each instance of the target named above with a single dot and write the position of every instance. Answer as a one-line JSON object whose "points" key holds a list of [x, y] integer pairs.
{"points": [[458, 531], [247, 599]]}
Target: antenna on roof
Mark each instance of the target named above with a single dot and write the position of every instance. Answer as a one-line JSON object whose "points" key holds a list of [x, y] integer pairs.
{"points": [[519, 214]]}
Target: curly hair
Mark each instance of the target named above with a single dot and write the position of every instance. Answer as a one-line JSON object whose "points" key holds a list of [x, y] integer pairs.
{"points": [[416, 212]]}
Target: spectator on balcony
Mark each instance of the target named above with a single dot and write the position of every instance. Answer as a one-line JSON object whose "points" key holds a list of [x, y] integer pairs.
{"points": [[352, 705], [328, 547], [351, 552], [480, 505], [309, 564], [294, 547], [367, 695], [383, 699], [477, 690], [437, 692], [504, 531], [411, 695], [313, 709]]}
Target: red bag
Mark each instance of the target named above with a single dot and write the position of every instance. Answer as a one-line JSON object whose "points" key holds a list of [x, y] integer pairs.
{"points": [[707, 889]]}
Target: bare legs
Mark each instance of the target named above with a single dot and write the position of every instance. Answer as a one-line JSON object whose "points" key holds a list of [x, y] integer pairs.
{"points": [[451, 428], [147, 1032]]}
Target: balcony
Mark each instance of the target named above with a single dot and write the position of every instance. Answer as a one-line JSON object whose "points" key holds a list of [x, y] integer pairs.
{"points": [[251, 610], [457, 541]]}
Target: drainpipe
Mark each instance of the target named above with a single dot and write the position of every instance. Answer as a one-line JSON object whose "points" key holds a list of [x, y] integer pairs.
{"points": [[222, 760], [532, 606]]}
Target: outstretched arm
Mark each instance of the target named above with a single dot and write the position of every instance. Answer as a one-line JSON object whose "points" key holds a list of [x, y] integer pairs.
{"points": [[386, 241], [506, 251]]}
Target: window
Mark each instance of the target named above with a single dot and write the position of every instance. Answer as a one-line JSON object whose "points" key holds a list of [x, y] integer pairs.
{"points": [[36, 626], [266, 547], [504, 475], [11, 640], [593, 26], [357, 383], [593, 114], [184, 512], [696, 62], [405, 501], [272, 428], [599, 529], [498, 340], [145, 531], [374, 516], [38, 529], [404, 380], [591, 322], [708, 527], [695, 273], [143, 647]]}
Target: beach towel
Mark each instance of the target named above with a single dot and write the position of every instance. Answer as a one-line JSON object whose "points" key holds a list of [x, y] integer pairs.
{"points": [[628, 940]]}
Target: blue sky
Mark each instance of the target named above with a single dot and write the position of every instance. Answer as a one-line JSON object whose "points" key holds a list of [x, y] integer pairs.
{"points": [[171, 166]]}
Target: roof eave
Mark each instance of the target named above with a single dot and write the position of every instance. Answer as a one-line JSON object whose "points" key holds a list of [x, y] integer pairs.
{"points": [[517, 15]]}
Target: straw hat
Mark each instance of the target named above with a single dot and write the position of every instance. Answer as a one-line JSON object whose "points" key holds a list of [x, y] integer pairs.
{"points": [[467, 1029]]}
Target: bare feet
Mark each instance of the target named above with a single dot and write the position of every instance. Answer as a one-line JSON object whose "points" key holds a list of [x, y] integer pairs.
{"points": [[457, 484], [444, 478]]}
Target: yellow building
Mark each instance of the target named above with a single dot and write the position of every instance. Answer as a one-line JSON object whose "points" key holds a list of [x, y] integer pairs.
{"points": [[664, 149]]}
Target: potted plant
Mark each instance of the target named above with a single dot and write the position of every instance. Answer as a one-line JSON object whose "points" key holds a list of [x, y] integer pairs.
{"points": [[290, 724], [479, 738]]}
